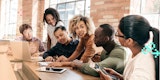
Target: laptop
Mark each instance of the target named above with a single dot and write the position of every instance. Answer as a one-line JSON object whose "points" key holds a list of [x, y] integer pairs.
{"points": [[20, 50], [4, 46]]}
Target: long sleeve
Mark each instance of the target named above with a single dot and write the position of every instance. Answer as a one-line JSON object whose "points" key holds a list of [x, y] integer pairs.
{"points": [[89, 50], [115, 60], [78, 50], [41, 46], [50, 52]]}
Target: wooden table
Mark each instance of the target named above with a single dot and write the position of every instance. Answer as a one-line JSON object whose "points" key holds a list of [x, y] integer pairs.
{"points": [[29, 69]]}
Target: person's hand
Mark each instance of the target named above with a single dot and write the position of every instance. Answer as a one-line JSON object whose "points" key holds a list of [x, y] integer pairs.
{"points": [[35, 55], [55, 64], [110, 71], [62, 59], [104, 76], [49, 59], [76, 64]]}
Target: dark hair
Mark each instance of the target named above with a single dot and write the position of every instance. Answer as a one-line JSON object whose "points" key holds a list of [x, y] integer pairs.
{"points": [[24, 27], [53, 12], [137, 28], [60, 27], [108, 30]]}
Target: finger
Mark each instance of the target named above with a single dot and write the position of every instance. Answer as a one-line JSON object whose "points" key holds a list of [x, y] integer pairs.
{"points": [[101, 75]]}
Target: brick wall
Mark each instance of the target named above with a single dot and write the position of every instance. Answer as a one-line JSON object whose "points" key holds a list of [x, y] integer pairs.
{"points": [[40, 25], [108, 11], [25, 15]]}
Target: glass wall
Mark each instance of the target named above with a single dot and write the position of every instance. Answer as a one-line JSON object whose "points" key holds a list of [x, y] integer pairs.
{"points": [[150, 9], [8, 19]]}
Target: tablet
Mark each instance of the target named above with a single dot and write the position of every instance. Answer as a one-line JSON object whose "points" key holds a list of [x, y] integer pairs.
{"points": [[52, 69]]}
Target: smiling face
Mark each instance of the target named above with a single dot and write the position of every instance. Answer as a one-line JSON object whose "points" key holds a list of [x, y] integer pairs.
{"points": [[27, 34], [81, 29], [61, 36], [50, 20]]}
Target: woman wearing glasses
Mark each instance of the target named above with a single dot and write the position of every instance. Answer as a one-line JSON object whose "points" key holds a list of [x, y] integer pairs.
{"points": [[135, 32]]}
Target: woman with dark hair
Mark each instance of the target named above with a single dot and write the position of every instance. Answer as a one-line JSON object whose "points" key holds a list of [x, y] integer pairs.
{"points": [[135, 32], [52, 18]]}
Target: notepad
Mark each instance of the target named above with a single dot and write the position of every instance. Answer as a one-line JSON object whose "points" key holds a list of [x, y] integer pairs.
{"points": [[43, 63]]}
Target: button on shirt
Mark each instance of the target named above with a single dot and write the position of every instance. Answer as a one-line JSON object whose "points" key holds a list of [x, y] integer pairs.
{"points": [[61, 49]]}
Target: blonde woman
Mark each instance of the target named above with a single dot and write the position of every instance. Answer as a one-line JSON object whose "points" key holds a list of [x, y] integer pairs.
{"points": [[83, 28]]}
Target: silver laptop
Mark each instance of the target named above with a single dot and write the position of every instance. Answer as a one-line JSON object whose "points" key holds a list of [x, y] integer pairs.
{"points": [[20, 50], [4, 46]]}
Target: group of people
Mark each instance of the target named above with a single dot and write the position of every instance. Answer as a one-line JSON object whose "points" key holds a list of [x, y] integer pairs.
{"points": [[77, 47]]}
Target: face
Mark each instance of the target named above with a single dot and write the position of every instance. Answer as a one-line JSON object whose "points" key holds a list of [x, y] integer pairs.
{"points": [[120, 36], [27, 34], [50, 20], [81, 29], [61, 36], [99, 39]]}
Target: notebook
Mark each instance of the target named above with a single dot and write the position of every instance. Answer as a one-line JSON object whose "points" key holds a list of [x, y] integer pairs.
{"points": [[20, 50]]}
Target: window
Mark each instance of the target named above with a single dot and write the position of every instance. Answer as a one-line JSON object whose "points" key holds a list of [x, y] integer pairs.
{"points": [[150, 9], [68, 8], [8, 19]]}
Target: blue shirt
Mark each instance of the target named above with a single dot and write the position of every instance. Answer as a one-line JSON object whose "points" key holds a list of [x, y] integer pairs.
{"points": [[61, 49]]}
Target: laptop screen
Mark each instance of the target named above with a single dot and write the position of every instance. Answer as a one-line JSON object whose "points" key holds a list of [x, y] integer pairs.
{"points": [[20, 50]]}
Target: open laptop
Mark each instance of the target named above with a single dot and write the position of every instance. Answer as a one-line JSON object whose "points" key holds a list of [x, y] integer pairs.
{"points": [[4, 45], [20, 50]]}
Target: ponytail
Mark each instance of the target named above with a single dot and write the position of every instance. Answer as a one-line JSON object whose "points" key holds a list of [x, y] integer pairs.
{"points": [[156, 36]]}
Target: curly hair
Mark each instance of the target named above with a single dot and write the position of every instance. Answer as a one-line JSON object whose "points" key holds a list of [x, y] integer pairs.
{"points": [[76, 19]]}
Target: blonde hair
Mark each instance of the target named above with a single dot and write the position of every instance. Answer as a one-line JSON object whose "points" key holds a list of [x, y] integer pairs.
{"points": [[76, 19]]}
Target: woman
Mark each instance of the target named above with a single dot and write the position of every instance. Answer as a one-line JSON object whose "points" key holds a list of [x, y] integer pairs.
{"points": [[133, 32], [83, 28], [52, 18]]}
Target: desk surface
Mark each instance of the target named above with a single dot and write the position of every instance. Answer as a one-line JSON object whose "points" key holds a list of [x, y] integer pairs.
{"points": [[29, 69]]}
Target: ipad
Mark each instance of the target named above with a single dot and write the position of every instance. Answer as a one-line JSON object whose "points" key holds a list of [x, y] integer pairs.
{"points": [[52, 69]]}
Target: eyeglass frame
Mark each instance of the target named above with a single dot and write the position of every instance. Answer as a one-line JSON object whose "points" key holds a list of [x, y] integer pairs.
{"points": [[120, 35]]}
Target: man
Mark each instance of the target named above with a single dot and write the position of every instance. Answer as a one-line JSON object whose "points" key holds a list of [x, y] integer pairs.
{"points": [[65, 45], [35, 44], [113, 56]]}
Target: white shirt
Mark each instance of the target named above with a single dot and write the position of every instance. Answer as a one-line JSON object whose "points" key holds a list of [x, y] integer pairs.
{"points": [[141, 67], [50, 30]]}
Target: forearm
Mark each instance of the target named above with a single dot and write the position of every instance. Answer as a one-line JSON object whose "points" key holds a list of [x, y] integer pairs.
{"points": [[67, 64], [73, 56], [85, 68]]}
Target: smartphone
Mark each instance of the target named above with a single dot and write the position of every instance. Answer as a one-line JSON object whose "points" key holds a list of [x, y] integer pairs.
{"points": [[56, 70], [97, 67], [51, 69]]}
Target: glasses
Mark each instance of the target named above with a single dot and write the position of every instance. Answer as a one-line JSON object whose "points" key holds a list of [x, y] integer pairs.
{"points": [[119, 35]]}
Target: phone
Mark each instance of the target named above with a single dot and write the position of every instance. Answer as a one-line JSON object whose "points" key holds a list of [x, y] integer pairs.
{"points": [[97, 67], [56, 70], [51, 69]]}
